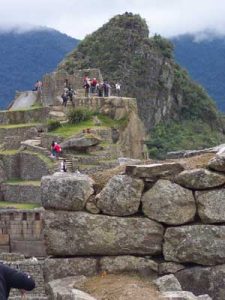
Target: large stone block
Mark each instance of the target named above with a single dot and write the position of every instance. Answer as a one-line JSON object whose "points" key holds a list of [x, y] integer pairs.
{"points": [[128, 263], [66, 191], [217, 163], [169, 203], [167, 283], [200, 244], [204, 280], [87, 234], [211, 206], [81, 143], [200, 179], [121, 196], [155, 171], [56, 268]]}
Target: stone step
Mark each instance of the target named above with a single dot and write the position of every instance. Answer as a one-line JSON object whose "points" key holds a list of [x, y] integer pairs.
{"points": [[33, 145], [57, 115], [69, 164]]}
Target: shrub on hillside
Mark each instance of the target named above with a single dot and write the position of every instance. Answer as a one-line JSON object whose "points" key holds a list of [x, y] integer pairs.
{"points": [[53, 124], [78, 115]]}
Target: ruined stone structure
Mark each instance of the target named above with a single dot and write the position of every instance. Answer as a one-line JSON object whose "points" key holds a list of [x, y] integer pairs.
{"points": [[53, 84], [35, 115], [22, 232]]}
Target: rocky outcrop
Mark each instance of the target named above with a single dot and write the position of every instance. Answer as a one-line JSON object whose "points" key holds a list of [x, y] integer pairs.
{"points": [[169, 203], [168, 283], [86, 234], [82, 143], [211, 206], [203, 280], [121, 196], [217, 163], [200, 244], [154, 171], [200, 179], [66, 191], [169, 268]]}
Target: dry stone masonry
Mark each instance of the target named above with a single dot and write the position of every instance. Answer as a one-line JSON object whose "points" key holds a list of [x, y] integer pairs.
{"points": [[154, 219]]}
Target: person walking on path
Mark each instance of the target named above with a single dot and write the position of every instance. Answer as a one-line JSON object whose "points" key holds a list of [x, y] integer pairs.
{"points": [[12, 278]]}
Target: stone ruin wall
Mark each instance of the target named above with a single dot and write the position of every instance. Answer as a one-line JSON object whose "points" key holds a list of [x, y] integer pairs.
{"points": [[36, 115], [21, 231], [156, 219]]}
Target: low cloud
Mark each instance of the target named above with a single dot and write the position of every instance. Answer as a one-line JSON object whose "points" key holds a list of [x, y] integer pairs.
{"points": [[78, 18]]}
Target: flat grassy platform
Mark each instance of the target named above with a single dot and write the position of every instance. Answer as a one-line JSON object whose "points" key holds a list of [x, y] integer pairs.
{"points": [[4, 205]]}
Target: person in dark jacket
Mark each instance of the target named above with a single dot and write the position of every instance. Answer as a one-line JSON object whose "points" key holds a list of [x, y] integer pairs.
{"points": [[12, 278]]}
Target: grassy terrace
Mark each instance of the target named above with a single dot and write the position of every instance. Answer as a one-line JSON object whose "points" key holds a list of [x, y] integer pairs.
{"points": [[4, 205], [11, 126], [23, 182], [68, 130]]}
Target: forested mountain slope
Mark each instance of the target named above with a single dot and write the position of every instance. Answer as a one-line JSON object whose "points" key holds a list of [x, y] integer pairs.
{"points": [[204, 58], [26, 57]]}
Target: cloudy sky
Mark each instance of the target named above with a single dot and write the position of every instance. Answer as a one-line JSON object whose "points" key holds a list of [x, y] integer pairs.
{"points": [[80, 17]]}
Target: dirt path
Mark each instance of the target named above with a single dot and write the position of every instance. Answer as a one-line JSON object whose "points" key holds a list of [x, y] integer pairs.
{"points": [[121, 287]]}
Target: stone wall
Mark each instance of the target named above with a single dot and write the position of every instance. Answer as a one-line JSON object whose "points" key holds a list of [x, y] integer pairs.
{"points": [[160, 212], [35, 115], [27, 192], [53, 83], [24, 165], [21, 231]]}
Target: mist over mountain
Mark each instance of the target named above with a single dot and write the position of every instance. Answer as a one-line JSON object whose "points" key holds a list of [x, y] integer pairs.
{"points": [[25, 56], [203, 55]]}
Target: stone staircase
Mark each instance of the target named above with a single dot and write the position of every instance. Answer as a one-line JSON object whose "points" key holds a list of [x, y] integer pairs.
{"points": [[58, 112], [34, 145]]}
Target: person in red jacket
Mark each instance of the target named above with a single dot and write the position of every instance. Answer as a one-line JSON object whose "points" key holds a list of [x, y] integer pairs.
{"points": [[12, 278], [57, 149]]}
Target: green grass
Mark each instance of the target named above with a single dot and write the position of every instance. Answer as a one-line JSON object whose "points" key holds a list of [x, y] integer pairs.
{"points": [[67, 130], [9, 152], [23, 182], [9, 126], [4, 204]]}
